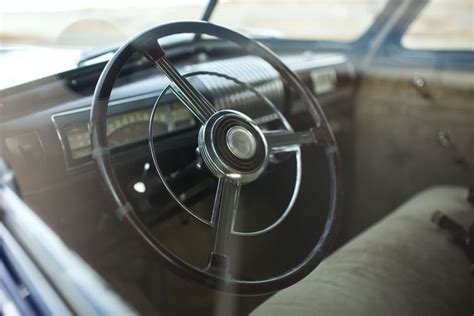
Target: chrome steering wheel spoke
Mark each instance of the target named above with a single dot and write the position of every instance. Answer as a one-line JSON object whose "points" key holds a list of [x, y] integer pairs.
{"points": [[285, 140], [224, 212], [201, 108]]}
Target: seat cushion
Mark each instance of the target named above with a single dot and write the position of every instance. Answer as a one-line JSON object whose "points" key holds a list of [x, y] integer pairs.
{"points": [[403, 265]]}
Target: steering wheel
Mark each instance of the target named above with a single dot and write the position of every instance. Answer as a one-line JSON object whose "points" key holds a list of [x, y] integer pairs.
{"points": [[233, 148]]}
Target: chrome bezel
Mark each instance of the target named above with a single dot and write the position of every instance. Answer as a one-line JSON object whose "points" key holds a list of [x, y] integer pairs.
{"points": [[209, 153]]}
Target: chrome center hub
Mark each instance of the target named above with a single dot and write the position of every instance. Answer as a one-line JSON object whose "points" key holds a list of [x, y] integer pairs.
{"points": [[241, 142], [233, 146]]}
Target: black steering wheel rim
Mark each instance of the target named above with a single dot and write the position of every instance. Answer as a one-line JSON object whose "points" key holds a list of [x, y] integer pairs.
{"points": [[147, 43]]}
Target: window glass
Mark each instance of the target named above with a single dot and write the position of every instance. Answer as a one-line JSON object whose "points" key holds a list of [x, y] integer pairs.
{"points": [[341, 20], [442, 25], [86, 24]]}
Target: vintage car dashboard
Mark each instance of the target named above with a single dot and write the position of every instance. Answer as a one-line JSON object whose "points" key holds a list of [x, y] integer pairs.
{"points": [[45, 124]]}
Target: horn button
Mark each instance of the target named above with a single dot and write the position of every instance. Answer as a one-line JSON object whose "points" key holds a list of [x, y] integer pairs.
{"points": [[241, 142], [233, 146]]}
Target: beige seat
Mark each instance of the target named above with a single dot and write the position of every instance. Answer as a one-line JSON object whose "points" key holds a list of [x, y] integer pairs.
{"points": [[403, 265]]}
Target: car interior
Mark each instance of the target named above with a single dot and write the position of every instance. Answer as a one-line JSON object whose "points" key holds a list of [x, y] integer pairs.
{"points": [[200, 168]]}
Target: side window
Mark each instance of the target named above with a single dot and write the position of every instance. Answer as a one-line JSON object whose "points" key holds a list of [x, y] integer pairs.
{"points": [[442, 25]]}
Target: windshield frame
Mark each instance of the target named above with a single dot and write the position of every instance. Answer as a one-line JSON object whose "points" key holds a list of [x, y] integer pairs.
{"points": [[393, 51]]}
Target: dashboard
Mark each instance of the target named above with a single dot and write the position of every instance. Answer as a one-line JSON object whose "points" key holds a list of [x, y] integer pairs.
{"points": [[43, 131]]}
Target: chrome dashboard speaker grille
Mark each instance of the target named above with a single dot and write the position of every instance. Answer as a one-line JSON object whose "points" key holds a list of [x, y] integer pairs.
{"points": [[249, 69]]}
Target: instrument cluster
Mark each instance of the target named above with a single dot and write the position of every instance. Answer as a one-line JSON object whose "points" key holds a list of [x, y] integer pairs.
{"points": [[129, 125]]}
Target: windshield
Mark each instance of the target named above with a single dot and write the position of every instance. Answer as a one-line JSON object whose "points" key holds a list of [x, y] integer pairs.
{"points": [[87, 23], [62, 33], [342, 20]]}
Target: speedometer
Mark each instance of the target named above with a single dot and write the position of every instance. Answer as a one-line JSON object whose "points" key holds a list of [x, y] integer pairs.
{"points": [[129, 127], [133, 132]]}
